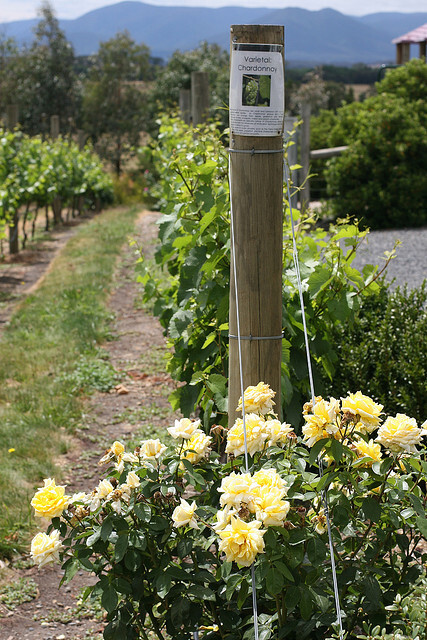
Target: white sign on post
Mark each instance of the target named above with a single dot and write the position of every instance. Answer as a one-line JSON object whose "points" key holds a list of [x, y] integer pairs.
{"points": [[257, 93]]}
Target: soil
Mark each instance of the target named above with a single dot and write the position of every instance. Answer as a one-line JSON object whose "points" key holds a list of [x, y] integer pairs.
{"points": [[51, 614]]}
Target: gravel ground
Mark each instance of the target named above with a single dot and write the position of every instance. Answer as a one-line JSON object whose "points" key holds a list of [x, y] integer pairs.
{"points": [[410, 264]]}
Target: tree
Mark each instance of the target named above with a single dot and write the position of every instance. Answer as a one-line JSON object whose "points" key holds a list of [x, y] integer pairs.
{"points": [[114, 103], [177, 75], [45, 83], [381, 177]]}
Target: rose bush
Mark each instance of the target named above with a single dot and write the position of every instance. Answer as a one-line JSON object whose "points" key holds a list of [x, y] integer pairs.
{"points": [[171, 531]]}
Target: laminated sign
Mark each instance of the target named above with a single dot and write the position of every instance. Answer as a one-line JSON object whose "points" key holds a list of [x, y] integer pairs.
{"points": [[257, 92]]}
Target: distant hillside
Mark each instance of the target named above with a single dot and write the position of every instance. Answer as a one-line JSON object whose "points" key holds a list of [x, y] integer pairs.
{"points": [[325, 36]]}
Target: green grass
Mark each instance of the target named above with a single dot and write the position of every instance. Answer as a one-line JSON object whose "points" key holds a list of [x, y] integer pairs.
{"points": [[49, 356]]}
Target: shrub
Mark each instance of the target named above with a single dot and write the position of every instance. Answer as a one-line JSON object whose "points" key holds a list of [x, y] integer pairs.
{"points": [[171, 533], [386, 348], [381, 177]]}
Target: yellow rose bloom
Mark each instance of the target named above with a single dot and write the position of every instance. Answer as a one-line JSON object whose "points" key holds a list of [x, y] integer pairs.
{"points": [[132, 480], [242, 541], [258, 399], [368, 450], [45, 548], [256, 435], [400, 434], [267, 479], [236, 489], [318, 520], [50, 500], [117, 449], [184, 428], [368, 410], [151, 449], [185, 514], [223, 518], [321, 422], [277, 432], [197, 447], [270, 508]]}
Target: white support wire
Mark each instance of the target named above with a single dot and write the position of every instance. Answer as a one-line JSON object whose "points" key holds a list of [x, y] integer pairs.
{"points": [[242, 390], [313, 398]]}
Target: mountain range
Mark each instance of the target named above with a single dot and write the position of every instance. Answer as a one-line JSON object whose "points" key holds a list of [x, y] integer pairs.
{"points": [[325, 36]]}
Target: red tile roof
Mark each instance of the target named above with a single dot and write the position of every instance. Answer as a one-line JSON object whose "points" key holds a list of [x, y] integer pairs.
{"points": [[417, 35]]}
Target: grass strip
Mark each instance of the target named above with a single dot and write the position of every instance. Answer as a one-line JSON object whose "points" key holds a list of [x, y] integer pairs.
{"points": [[54, 334]]}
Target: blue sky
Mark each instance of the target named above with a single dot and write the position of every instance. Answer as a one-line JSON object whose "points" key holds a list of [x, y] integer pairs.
{"points": [[22, 9]]}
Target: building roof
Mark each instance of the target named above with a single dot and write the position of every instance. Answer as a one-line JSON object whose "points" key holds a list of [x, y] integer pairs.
{"points": [[416, 35]]}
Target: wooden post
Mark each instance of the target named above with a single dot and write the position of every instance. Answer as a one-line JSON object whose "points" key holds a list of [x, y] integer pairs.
{"points": [[403, 52], [11, 116], [422, 50], [257, 204], [54, 127], [305, 154], [199, 97], [81, 139], [185, 105], [292, 156]]}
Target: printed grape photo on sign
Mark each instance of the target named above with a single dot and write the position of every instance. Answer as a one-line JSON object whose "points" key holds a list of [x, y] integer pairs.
{"points": [[256, 90]]}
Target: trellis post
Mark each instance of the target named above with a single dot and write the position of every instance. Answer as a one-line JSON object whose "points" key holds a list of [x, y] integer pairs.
{"points": [[256, 159], [199, 97], [305, 154], [185, 105], [54, 127]]}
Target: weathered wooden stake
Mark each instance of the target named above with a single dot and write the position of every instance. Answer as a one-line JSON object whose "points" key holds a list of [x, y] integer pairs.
{"points": [[257, 202], [54, 127], [199, 97], [12, 117], [305, 154], [185, 105]]}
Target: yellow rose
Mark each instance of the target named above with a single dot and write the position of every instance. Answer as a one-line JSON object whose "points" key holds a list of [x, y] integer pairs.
{"points": [[236, 489], [45, 548], [197, 447], [368, 450], [223, 518], [368, 410], [185, 514], [117, 449], [258, 399], [184, 428], [268, 479], [242, 541], [321, 422], [277, 432], [318, 520], [50, 501], [132, 480], [400, 434], [256, 435], [151, 449], [270, 508]]}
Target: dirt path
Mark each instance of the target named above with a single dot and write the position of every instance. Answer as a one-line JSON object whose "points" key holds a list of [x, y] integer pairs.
{"points": [[52, 614]]}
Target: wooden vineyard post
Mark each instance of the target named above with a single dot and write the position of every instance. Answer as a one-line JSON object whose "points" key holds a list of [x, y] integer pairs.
{"points": [[199, 97], [305, 154], [185, 105], [54, 127], [257, 203]]}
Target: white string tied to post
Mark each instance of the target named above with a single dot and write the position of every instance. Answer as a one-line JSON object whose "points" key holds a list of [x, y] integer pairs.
{"points": [[313, 399]]}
